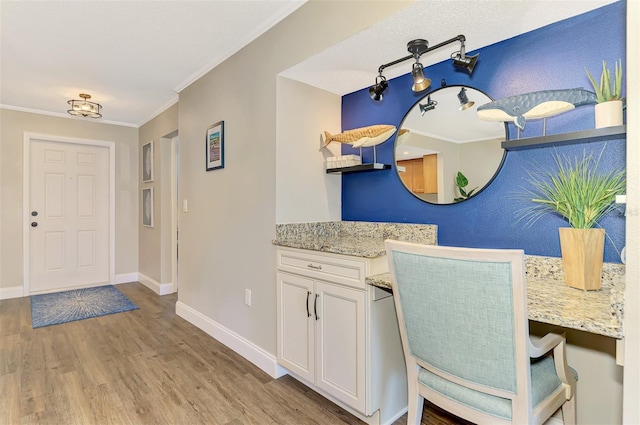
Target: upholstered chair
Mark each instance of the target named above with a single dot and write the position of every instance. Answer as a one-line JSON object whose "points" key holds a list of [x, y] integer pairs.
{"points": [[463, 321]]}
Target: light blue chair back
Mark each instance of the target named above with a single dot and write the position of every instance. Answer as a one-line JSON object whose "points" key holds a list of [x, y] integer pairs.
{"points": [[459, 316]]}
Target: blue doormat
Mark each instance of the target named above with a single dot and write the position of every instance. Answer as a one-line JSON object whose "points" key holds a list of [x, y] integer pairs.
{"points": [[77, 304]]}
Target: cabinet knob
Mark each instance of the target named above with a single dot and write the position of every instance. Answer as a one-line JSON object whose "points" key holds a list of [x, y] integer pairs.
{"points": [[34, 224], [34, 213]]}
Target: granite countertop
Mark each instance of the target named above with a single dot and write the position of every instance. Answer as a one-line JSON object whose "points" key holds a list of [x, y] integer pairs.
{"points": [[551, 301], [359, 239]]}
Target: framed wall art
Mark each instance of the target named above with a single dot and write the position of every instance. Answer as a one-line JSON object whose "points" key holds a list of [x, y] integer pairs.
{"points": [[147, 162], [215, 146], [147, 207]]}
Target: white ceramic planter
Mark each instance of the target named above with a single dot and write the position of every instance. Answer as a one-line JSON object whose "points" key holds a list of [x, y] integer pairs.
{"points": [[608, 114]]}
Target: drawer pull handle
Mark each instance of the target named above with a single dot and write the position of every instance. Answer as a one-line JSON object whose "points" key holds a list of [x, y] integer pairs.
{"points": [[315, 306], [308, 312], [311, 266]]}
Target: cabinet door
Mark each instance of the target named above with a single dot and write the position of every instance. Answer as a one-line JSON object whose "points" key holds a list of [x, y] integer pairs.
{"points": [[340, 343], [296, 325]]}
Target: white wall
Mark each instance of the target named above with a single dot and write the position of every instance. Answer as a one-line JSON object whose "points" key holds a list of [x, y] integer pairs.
{"points": [[631, 404], [304, 191]]}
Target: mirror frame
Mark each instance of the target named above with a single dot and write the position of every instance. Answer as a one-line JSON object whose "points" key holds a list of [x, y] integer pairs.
{"points": [[395, 144]]}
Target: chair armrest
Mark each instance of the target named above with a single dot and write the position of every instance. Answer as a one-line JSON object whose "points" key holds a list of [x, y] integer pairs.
{"points": [[545, 344], [557, 343]]}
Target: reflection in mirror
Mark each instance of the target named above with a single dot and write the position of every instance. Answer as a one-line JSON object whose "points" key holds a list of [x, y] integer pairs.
{"points": [[442, 136]]}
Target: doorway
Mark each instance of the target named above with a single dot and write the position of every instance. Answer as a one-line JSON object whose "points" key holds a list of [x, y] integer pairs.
{"points": [[68, 206]]}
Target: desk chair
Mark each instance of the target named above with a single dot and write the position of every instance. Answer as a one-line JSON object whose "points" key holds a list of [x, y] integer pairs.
{"points": [[463, 321]]}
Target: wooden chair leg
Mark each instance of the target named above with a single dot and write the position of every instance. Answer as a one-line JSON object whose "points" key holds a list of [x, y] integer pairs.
{"points": [[415, 406], [569, 411]]}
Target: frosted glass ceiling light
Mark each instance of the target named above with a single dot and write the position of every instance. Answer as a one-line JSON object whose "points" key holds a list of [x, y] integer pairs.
{"points": [[84, 107]]}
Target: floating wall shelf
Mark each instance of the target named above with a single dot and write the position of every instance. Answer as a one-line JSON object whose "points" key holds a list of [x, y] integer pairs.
{"points": [[359, 168], [595, 135]]}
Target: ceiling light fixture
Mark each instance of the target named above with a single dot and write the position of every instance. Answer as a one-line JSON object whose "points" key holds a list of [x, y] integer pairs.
{"points": [[84, 107], [417, 48], [430, 105], [465, 103]]}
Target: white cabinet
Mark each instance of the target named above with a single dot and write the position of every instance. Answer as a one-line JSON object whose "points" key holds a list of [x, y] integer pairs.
{"points": [[324, 321], [338, 334]]}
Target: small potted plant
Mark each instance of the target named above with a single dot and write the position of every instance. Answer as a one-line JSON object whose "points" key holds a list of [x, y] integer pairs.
{"points": [[608, 110], [582, 195]]}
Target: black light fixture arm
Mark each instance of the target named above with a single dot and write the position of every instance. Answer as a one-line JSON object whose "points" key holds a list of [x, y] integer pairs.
{"points": [[461, 38]]}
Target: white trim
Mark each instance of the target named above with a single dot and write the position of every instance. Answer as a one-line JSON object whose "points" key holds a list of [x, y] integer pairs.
{"points": [[158, 111], [126, 277], [60, 115], [241, 42], [256, 355], [155, 286], [11, 292], [175, 146], [26, 173]]}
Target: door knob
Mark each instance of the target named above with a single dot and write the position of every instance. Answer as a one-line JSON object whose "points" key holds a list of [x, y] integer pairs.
{"points": [[34, 213], [34, 224]]}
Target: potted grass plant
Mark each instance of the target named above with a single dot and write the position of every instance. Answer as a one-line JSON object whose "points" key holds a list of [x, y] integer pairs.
{"points": [[582, 195], [608, 110]]}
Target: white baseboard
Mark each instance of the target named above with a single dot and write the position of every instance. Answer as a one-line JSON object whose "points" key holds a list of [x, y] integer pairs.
{"points": [[247, 349], [126, 278], [11, 292], [155, 286]]}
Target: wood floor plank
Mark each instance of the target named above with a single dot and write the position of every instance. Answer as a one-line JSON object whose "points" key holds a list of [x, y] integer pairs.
{"points": [[146, 366]]}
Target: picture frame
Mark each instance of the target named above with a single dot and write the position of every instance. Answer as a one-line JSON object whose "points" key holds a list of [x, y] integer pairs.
{"points": [[214, 144], [147, 162], [147, 207]]}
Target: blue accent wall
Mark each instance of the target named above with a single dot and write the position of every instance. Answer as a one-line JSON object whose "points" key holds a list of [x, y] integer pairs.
{"points": [[552, 57]]}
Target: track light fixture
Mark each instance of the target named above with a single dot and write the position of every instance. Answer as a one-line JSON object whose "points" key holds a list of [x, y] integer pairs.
{"points": [[417, 48], [465, 103], [430, 105], [463, 61], [378, 88]]}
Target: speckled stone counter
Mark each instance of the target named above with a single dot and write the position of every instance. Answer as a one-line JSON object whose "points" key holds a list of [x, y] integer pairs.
{"points": [[356, 238], [551, 301]]}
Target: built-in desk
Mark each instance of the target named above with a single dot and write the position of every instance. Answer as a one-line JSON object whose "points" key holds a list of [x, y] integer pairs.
{"points": [[551, 301]]}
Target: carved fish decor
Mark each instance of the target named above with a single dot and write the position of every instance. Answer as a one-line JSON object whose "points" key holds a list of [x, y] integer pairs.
{"points": [[361, 137], [540, 104]]}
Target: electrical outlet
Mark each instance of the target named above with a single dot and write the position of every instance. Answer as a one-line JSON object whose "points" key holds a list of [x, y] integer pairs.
{"points": [[247, 297], [185, 205]]}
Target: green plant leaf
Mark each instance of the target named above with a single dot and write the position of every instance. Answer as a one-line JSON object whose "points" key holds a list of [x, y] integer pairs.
{"points": [[576, 190], [461, 180]]}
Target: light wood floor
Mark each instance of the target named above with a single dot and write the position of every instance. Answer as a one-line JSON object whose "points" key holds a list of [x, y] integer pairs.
{"points": [[146, 366]]}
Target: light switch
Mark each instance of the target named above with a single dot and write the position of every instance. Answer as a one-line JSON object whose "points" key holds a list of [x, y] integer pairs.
{"points": [[185, 205]]}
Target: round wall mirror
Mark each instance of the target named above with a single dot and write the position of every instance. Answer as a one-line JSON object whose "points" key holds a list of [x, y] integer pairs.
{"points": [[442, 144]]}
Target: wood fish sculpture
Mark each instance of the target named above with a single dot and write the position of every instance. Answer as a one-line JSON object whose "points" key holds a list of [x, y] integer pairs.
{"points": [[361, 137], [540, 104]]}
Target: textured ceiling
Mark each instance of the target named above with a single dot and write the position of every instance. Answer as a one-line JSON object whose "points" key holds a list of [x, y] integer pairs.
{"points": [[353, 64], [133, 57]]}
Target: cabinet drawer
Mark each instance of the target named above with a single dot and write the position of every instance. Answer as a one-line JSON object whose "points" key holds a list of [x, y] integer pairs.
{"points": [[346, 271]]}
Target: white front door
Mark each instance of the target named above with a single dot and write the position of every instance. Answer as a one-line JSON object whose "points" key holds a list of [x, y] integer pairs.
{"points": [[69, 215]]}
